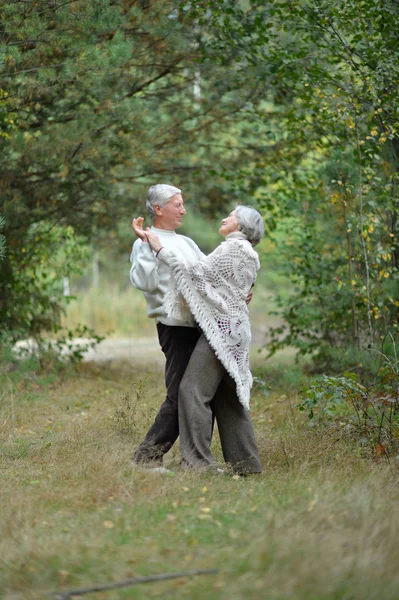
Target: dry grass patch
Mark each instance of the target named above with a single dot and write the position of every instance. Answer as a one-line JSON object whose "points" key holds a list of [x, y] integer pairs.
{"points": [[319, 523], [127, 317]]}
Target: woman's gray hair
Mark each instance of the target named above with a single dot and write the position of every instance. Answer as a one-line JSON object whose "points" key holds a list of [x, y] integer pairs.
{"points": [[250, 223], [159, 194]]}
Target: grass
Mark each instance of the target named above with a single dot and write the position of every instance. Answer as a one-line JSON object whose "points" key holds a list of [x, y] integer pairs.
{"points": [[320, 523], [110, 310]]}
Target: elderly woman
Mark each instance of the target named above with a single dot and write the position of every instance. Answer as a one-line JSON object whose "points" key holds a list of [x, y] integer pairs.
{"points": [[215, 291]]}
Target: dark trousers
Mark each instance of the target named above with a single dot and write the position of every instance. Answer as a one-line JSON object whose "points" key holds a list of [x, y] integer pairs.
{"points": [[177, 344]]}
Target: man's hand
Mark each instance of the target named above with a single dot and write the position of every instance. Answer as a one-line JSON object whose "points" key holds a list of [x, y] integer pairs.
{"points": [[250, 294], [137, 225]]}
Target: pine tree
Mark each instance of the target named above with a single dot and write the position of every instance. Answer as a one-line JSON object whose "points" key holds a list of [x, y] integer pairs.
{"points": [[101, 99]]}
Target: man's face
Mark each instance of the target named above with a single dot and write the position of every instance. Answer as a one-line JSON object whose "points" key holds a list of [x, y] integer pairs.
{"points": [[171, 214]]}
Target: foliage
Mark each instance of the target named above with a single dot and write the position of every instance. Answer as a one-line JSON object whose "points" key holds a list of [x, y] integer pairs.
{"points": [[73, 344], [125, 414], [369, 413], [98, 100], [69, 347], [292, 106], [36, 270], [328, 176]]}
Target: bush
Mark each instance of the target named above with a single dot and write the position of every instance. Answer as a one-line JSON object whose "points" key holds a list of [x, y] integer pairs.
{"points": [[368, 412], [32, 280]]}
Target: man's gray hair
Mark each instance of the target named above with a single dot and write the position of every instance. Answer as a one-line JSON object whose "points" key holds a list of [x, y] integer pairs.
{"points": [[159, 194], [250, 223]]}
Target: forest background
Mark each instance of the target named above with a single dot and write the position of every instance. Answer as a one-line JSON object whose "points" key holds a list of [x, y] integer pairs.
{"points": [[292, 107], [289, 106]]}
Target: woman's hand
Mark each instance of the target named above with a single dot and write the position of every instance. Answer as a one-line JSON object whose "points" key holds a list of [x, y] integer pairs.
{"points": [[153, 240], [250, 294], [137, 225], [146, 235]]}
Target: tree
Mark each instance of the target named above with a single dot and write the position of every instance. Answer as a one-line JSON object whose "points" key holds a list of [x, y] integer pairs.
{"points": [[331, 71], [100, 96], [2, 240], [297, 109]]}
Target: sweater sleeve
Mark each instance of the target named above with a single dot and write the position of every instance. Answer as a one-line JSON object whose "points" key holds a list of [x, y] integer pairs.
{"points": [[144, 270]]}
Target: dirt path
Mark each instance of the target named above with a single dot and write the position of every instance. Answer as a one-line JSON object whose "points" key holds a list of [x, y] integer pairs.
{"points": [[137, 351], [134, 350]]}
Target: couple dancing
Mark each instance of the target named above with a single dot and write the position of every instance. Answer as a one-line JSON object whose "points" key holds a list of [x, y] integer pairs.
{"points": [[199, 304]]}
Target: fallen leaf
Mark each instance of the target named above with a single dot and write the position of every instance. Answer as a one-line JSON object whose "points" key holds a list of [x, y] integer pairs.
{"points": [[109, 524], [170, 517], [63, 576], [380, 449], [312, 504]]}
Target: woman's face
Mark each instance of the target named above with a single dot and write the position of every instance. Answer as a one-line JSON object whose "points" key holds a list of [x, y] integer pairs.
{"points": [[229, 224]]}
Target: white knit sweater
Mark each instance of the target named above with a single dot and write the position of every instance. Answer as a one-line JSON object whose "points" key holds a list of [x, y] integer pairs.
{"points": [[215, 291]]}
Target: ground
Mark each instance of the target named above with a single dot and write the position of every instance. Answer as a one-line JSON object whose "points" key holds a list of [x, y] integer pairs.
{"points": [[321, 522]]}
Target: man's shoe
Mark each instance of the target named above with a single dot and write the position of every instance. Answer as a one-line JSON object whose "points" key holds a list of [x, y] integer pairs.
{"points": [[149, 468], [157, 470]]}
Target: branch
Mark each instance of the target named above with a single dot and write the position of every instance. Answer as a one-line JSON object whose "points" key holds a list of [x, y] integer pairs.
{"points": [[37, 69], [363, 243], [74, 153], [218, 118], [55, 7], [160, 171], [140, 87], [126, 582], [349, 49]]}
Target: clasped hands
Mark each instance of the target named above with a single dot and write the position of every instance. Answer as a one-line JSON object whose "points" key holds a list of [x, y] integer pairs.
{"points": [[146, 235]]}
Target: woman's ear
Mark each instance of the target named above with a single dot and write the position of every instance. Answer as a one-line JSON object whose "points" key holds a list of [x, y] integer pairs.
{"points": [[157, 209]]}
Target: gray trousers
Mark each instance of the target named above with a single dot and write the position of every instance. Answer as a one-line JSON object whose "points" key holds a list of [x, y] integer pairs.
{"points": [[205, 375]]}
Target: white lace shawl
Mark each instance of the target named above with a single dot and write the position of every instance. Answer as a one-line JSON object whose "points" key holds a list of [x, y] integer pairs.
{"points": [[215, 290]]}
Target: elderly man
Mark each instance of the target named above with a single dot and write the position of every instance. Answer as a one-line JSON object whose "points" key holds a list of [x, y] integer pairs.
{"points": [[177, 338]]}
